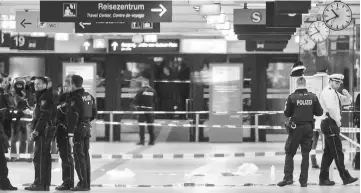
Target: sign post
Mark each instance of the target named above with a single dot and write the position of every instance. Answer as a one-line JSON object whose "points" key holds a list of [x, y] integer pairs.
{"points": [[106, 11], [29, 21]]}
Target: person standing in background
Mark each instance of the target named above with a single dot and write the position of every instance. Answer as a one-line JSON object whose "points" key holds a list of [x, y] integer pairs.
{"points": [[62, 139], [145, 100], [4, 139]]}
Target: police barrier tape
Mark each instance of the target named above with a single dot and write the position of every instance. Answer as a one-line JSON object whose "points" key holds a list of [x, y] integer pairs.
{"points": [[159, 156], [343, 129], [185, 185], [196, 112]]}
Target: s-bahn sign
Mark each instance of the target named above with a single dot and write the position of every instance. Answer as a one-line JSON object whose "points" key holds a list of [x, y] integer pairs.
{"points": [[106, 11]]}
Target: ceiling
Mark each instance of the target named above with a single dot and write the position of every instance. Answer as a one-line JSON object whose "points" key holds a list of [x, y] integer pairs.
{"points": [[186, 20]]}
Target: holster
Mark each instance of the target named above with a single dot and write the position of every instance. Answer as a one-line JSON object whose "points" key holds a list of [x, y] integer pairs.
{"points": [[289, 127]]}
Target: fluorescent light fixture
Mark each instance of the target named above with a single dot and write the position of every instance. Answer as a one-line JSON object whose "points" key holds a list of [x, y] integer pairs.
{"points": [[37, 34], [8, 24], [229, 32], [61, 37], [292, 14], [225, 26], [213, 9], [254, 5], [150, 38], [231, 38], [216, 19], [99, 43]]}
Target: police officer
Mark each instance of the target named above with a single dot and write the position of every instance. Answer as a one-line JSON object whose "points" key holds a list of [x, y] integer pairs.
{"points": [[145, 100], [4, 143], [62, 139], [50, 89], [43, 133], [332, 102], [301, 106], [82, 110]]}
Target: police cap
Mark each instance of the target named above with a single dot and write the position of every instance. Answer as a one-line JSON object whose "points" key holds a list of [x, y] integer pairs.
{"points": [[337, 77]]}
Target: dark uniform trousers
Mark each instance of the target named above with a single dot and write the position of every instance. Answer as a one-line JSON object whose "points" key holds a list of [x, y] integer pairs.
{"points": [[4, 171], [301, 135], [67, 161], [147, 118], [315, 138], [42, 161], [332, 151], [19, 133], [81, 154]]}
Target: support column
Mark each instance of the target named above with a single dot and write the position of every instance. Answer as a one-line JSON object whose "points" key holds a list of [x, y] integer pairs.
{"points": [[113, 91], [259, 65], [54, 69]]}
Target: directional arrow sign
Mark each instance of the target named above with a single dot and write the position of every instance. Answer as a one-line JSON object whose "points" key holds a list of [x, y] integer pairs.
{"points": [[86, 45], [114, 46], [23, 23], [29, 21], [106, 11]]}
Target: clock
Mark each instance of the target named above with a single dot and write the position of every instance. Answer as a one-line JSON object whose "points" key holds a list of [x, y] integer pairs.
{"points": [[318, 31], [337, 16], [306, 43]]}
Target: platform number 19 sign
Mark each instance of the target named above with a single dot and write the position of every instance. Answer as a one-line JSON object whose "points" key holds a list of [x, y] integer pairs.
{"points": [[19, 41]]}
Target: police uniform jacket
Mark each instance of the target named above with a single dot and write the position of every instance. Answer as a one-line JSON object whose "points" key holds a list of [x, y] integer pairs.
{"points": [[332, 102], [82, 108], [302, 105], [61, 107], [44, 112], [145, 98]]}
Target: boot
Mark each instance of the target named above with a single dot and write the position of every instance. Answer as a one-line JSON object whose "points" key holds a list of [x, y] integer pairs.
{"points": [[326, 183], [63, 187], [34, 187], [6, 185], [285, 182]]}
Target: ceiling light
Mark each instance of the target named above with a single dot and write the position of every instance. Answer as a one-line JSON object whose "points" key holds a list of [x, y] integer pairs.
{"points": [[150, 38], [231, 38], [292, 14], [224, 26], [37, 34], [216, 19], [212, 9], [61, 36]]}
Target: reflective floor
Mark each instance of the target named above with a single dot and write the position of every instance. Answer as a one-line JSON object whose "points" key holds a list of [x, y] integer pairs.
{"points": [[230, 174]]}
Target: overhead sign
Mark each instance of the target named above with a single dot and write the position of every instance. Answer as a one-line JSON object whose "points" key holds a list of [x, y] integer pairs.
{"points": [[22, 42], [249, 16], [29, 21], [106, 11], [117, 27], [5, 39], [127, 46], [92, 46]]}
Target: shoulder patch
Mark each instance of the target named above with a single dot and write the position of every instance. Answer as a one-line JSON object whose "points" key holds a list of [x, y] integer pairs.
{"points": [[43, 102], [72, 103]]}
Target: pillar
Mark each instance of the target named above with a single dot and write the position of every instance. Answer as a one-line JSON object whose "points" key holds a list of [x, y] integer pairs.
{"points": [[259, 65], [113, 91], [54, 69]]}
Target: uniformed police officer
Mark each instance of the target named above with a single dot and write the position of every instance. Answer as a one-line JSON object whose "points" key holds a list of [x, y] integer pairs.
{"points": [[332, 102], [82, 110], [4, 142], [301, 106], [145, 100], [43, 125], [62, 139]]}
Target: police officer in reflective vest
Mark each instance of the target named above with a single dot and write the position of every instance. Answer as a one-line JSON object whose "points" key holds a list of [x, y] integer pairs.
{"points": [[4, 140], [301, 106], [82, 110], [43, 125], [145, 100], [62, 139], [332, 102]]}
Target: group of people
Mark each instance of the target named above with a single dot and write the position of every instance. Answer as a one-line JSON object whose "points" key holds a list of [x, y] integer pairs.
{"points": [[64, 116], [300, 108]]}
